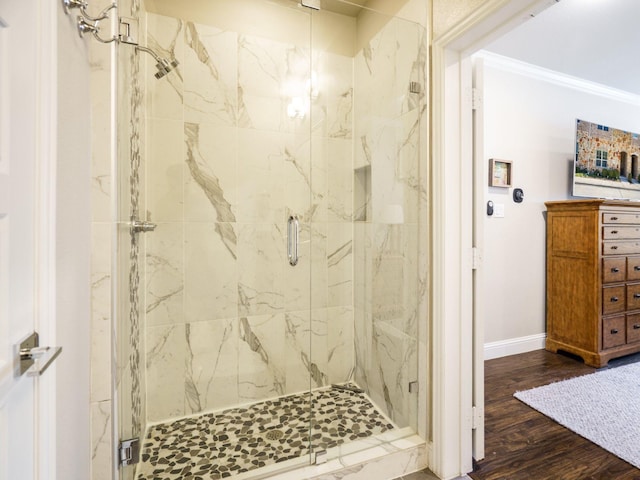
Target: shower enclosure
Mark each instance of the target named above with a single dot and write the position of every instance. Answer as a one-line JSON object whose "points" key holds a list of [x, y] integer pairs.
{"points": [[276, 314]]}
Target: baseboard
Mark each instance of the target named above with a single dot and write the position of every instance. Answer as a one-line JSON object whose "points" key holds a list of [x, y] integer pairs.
{"points": [[514, 346]]}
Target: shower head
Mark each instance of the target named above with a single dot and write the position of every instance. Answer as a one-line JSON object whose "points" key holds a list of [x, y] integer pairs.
{"points": [[163, 65]]}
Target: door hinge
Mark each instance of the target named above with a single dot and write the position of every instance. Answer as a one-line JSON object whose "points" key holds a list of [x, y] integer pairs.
{"points": [[477, 417], [129, 451], [476, 98], [476, 258]]}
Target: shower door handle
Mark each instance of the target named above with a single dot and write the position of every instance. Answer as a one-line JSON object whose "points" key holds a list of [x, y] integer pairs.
{"points": [[293, 228]]}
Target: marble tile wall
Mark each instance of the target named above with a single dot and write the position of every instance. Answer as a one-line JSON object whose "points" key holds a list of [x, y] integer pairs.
{"points": [[229, 321], [389, 278]]}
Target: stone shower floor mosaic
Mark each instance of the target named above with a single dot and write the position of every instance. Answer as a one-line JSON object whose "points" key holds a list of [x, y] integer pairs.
{"points": [[221, 445]]}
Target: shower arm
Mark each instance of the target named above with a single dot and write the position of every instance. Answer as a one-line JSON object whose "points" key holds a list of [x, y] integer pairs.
{"points": [[155, 56]]}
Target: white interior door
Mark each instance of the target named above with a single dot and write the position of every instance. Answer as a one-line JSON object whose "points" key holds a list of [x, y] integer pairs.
{"points": [[21, 161]]}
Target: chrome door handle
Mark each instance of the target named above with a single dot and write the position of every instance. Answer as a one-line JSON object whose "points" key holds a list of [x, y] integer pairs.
{"points": [[293, 227], [30, 351]]}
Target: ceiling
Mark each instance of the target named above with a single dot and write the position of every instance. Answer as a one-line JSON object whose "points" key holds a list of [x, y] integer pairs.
{"points": [[596, 40]]}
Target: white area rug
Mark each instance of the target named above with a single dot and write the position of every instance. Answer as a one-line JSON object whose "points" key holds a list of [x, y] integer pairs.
{"points": [[603, 407]]}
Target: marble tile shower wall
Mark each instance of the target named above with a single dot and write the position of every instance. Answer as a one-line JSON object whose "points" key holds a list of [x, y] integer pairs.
{"points": [[388, 277], [228, 320]]}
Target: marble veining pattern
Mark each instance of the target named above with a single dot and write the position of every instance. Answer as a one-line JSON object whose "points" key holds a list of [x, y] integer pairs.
{"points": [[221, 445], [210, 84], [210, 185]]}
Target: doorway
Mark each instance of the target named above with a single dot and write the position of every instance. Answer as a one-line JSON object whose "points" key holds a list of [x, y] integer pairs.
{"points": [[457, 334]]}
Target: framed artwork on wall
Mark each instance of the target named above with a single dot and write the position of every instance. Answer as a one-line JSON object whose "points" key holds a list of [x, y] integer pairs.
{"points": [[500, 173]]}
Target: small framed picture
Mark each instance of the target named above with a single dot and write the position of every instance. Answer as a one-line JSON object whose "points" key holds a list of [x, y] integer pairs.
{"points": [[500, 173]]}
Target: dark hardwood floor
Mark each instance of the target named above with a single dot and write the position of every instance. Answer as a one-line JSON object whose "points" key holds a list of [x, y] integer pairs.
{"points": [[521, 443]]}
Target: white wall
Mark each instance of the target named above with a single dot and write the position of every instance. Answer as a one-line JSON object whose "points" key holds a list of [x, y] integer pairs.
{"points": [[73, 450], [529, 118]]}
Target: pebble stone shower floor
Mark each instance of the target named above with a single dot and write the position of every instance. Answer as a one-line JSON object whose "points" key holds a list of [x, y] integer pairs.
{"points": [[220, 445]]}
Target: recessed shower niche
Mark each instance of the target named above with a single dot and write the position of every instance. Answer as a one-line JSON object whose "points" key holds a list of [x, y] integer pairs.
{"points": [[233, 359]]}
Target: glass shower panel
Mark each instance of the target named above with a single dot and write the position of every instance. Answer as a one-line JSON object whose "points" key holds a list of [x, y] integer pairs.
{"points": [[369, 200]]}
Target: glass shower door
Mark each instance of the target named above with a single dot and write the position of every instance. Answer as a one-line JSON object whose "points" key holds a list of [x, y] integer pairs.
{"points": [[223, 335]]}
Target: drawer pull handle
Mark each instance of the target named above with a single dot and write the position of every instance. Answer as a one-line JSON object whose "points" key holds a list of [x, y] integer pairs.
{"points": [[614, 331], [636, 326], [615, 270], [614, 299], [614, 232], [636, 268], [614, 218], [636, 295], [614, 247]]}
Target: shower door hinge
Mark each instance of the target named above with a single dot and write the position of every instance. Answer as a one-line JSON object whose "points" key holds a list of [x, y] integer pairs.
{"points": [[129, 451], [319, 456], [128, 30]]}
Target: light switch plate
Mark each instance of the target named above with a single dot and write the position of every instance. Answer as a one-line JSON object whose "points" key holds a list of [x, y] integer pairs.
{"points": [[498, 210]]}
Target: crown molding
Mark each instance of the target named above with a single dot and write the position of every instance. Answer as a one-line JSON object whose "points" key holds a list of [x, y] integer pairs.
{"points": [[518, 67]]}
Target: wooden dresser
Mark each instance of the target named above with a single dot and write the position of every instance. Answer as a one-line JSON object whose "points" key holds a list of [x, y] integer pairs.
{"points": [[593, 279]]}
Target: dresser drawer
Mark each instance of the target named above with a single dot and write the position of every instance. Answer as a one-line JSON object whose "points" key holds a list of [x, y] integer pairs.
{"points": [[620, 233], [633, 328], [633, 268], [613, 300], [633, 296], [620, 247], [621, 218], [613, 332], [614, 269]]}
